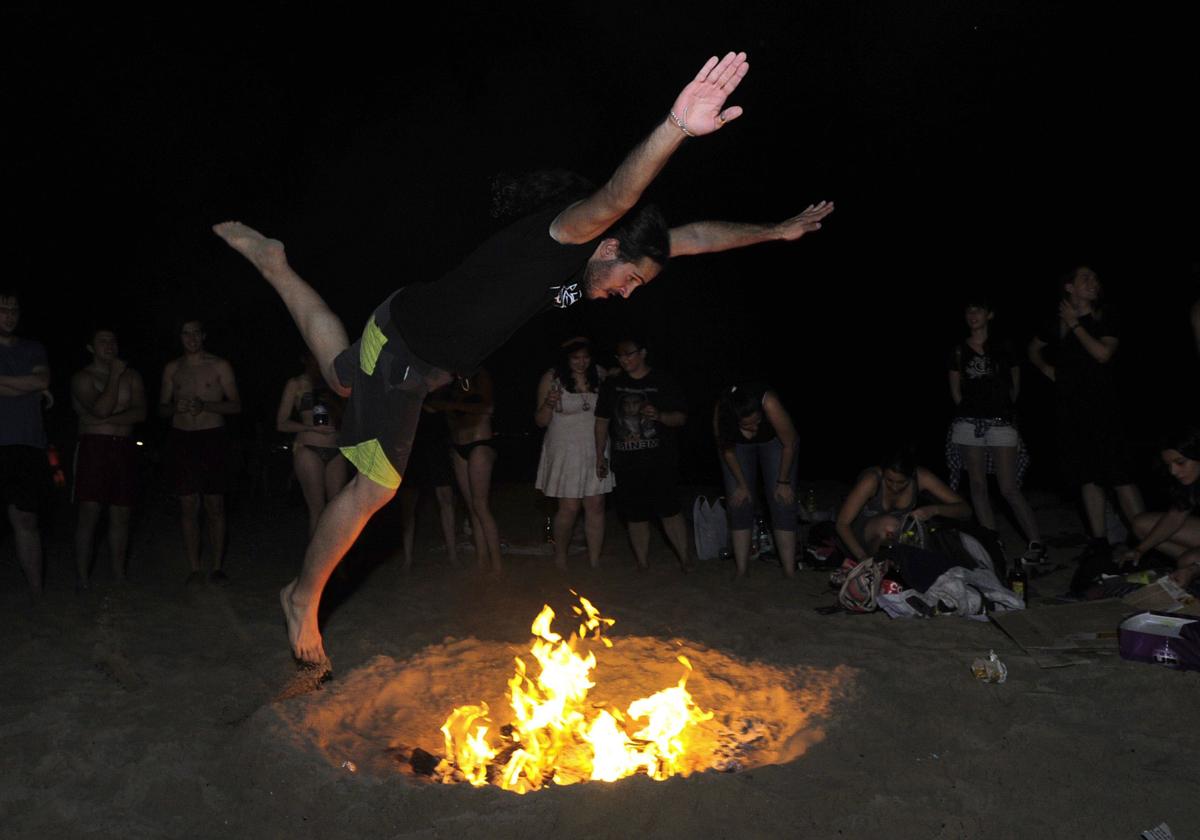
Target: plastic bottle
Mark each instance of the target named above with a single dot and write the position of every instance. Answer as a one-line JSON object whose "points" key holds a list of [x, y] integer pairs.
{"points": [[549, 531]]}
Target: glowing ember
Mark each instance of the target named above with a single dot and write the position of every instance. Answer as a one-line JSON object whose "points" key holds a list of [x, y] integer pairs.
{"points": [[556, 735]]}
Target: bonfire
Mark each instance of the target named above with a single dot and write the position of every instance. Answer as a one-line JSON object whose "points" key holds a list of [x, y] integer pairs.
{"points": [[556, 735]]}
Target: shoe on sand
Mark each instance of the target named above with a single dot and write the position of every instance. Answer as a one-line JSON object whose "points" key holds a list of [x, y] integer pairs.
{"points": [[218, 577], [1035, 554], [194, 579]]}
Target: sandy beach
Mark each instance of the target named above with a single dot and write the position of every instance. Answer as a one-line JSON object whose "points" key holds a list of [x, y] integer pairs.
{"points": [[151, 710]]}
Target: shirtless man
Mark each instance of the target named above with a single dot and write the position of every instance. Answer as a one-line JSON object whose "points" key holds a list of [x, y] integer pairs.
{"points": [[559, 255], [198, 392], [469, 405], [109, 398]]}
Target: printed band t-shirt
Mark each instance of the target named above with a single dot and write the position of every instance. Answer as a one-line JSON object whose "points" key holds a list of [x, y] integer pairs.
{"points": [[456, 321], [637, 441], [985, 379], [21, 417]]}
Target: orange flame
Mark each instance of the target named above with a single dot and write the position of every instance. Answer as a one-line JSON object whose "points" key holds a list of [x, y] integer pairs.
{"points": [[556, 735]]}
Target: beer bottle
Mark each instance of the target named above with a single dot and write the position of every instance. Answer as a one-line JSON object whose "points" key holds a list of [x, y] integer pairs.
{"points": [[1018, 580]]}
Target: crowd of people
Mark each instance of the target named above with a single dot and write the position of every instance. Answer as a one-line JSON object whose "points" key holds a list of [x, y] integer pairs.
{"points": [[409, 406]]}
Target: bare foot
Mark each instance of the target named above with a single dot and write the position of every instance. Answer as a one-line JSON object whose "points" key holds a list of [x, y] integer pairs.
{"points": [[303, 633], [266, 254]]}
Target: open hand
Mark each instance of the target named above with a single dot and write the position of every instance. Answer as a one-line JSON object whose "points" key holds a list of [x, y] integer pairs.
{"points": [[805, 222], [699, 105]]}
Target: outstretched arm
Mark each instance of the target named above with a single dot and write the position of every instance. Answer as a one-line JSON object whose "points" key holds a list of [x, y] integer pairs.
{"points": [[698, 110], [707, 237]]}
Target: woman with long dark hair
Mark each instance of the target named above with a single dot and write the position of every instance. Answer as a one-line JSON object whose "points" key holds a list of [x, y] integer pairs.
{"points": [[881, 499], [1175, 531], [985, 378], [755, 434], [566, 404]]}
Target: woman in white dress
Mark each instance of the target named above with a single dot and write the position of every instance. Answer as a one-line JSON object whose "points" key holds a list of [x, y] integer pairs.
{"points": [[566, 404]]}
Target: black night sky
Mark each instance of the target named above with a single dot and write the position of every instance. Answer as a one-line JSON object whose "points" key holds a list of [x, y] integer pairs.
{"points": [[967, 144]]}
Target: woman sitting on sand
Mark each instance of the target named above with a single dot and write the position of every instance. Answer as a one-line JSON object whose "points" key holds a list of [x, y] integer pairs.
{"points": [[1175, 532], [319, 465], [566, 404], [753, 432], [884, 496]]}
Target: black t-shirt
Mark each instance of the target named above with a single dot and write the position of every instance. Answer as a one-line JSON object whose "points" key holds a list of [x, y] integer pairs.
{"points": [[637, 441], [985, 379], [1078, 377], [455, 322]]}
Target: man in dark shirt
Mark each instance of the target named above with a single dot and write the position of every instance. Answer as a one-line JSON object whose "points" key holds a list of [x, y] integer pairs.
{"points": [[1091, 439], [555, 257], [24, 471], [640, 408]]}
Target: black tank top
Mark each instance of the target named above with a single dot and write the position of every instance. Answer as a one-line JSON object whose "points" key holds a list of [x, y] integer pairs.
{"points": [[731, 434]]}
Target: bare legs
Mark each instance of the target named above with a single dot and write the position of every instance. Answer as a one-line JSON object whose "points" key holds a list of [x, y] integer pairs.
{"points": [[1004, 459], [474, 476], [408, 519], [593, 527], [785, 544], [343, 518], [321, 330], [676, 532], [29, 546], [1129, 498], [85, 532], [639, 539], [319, 481], [214, 519], [189, 513], [564, 527], [340, 524]]}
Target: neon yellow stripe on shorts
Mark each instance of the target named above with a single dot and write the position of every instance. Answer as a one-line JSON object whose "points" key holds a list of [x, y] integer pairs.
{"points": [[370, 346], [369, 458]]}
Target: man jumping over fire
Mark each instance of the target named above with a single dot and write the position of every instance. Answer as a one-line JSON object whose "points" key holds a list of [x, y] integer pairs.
{"points": [[554, 257]]}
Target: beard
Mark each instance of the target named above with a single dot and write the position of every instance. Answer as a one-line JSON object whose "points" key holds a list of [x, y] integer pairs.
{"points": [[594, 274]]}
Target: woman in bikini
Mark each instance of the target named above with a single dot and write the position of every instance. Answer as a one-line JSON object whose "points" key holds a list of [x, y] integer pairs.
{"points": [[319, 465], [469, 405]]}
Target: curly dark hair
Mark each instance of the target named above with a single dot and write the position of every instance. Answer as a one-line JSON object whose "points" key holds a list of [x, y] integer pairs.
{"points": [[562, 368]]}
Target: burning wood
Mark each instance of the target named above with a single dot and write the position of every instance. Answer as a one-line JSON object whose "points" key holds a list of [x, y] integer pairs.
{"points": [[556, 735]]}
